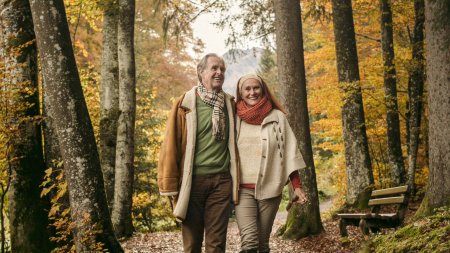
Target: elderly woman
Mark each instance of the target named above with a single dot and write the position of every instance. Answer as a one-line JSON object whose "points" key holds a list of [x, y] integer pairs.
{"points": [[268, 157]]}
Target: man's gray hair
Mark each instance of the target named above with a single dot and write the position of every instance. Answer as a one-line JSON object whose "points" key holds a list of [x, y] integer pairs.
{"points": [[202, 64]]}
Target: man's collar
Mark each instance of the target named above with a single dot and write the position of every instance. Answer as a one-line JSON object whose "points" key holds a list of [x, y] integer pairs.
{"points": [[201, 84]]}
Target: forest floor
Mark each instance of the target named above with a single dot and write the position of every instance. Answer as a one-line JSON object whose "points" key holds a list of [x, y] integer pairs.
{"points": [[328, 241]]}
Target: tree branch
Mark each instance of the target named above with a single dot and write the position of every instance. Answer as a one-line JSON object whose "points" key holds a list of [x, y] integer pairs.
{"points": [[367, 37], [78, 22]]}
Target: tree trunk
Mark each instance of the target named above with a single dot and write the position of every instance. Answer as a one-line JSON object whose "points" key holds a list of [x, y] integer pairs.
{"points": [[52, 153], [437, 29], [357, 159], [303, 220], [89, 210], [109, 99], [27, 217], [415, 91], [394, 143], [121, 214]]}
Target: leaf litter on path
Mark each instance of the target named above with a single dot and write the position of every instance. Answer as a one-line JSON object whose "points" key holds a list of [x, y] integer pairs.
{"points": [[327, 241]]}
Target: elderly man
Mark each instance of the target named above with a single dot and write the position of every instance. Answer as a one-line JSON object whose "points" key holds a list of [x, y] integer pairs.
{"points": [[197, 164]]}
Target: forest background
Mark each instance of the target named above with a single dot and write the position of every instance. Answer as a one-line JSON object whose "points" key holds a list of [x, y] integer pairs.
{"points": [[166, 53]]}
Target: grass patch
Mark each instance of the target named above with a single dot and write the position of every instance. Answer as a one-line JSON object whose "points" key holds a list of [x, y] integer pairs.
{"points": [[284, 200], [427, 234]]}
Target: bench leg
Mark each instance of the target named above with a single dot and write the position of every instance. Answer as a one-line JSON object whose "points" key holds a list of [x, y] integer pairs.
{"points": [[363, 227], [375, 230], [343, 228]]}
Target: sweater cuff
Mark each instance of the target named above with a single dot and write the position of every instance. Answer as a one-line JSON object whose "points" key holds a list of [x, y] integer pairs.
{"points": [[168, 193], [295, 180]]}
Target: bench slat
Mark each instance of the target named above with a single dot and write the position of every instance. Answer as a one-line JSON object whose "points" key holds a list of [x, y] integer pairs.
{"points": [[386, 216], [387, 201], [383, 216], [390, 191], [353, 215]]}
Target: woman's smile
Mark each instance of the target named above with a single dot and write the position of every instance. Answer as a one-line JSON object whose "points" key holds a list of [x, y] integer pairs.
{"points": [[251, 92]]}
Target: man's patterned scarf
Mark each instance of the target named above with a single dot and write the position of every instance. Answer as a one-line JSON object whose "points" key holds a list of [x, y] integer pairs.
{"points": [[215, 100]]}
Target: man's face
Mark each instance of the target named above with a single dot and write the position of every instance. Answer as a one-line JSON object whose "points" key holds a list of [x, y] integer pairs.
{"points": [[214, 74]]}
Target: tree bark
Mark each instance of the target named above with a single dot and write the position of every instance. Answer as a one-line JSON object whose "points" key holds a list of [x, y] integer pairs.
{"points": [[109, 98], [89, 210], [415, 91], [121, 214], [27, 217], [52, 153], [303, 220], [357, 159], [396, 164], [437, 29]]}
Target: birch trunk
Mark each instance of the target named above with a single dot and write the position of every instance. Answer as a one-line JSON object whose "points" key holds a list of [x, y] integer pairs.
{"points": [[89, 210], [121, 213], [357, 159], [109, 99]]}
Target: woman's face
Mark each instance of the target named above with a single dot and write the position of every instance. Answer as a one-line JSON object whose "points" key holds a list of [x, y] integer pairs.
{"points": [[251, 92]]}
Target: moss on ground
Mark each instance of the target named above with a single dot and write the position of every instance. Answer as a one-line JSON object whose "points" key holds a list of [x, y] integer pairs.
{"points": [[426, 234]]}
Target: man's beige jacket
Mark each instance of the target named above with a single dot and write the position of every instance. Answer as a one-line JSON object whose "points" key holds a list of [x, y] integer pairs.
{"points": [[176, 157]]}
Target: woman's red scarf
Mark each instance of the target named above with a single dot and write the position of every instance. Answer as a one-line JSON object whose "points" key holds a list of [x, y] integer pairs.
{"points": [[254, 115]]}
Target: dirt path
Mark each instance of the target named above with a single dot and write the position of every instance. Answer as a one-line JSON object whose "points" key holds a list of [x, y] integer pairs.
{"points": [[326, 205], [329, 241]]}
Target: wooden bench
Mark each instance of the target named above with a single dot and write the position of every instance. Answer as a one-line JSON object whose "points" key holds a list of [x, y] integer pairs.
{"points": [[376, 219]]}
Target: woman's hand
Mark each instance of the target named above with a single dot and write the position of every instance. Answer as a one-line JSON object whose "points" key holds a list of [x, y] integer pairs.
{"points": [[300, 196]]}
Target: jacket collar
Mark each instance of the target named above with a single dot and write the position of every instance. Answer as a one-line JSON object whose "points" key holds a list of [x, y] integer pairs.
{"points": [[189, 99], [272, 117]]}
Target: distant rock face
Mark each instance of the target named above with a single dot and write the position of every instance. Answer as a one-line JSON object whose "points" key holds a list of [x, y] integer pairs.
{"points": [[238, 63]]}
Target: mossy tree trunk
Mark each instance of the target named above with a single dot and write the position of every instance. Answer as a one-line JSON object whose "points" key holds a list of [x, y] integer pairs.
{"points": [[302, 220], [28, 220], [396, 164], [437, 29], [89, 210], [109, 97], [357, 158], [124, 174]]}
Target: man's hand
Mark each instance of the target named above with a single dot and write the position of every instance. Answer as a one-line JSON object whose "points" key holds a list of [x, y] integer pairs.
{"points": [[300, 196]]}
